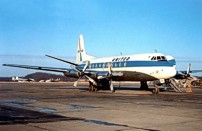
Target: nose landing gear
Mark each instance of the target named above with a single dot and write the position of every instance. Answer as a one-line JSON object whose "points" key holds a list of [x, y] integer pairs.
{"points": [[155, 90]]}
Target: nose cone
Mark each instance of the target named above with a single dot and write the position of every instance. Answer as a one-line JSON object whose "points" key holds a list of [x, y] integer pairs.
{"points": [[171, 72], [167, 73]]}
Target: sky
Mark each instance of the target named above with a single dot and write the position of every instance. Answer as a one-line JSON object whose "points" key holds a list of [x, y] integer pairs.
{"points": [[30, 29]]}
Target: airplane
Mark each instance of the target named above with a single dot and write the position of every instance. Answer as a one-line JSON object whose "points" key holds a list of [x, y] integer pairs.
{"points": [[18, 79], [100, 72]]}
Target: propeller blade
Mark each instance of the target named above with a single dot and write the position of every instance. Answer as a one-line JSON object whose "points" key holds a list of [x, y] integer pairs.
{"points": [[111, 86], [110, 75], [91, 80], [76, 82], [188, 69], [110, 68], [85, 67], [187, 75], [74, 68]]}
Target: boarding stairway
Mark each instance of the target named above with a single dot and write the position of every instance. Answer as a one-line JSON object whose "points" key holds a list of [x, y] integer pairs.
{"points": [[180, 85]]}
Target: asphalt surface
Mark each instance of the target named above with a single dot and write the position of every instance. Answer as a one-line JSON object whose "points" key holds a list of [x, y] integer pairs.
{"points": [[62, 107]]}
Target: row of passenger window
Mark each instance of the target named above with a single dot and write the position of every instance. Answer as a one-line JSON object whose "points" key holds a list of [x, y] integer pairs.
{"points": [[105, 65]]}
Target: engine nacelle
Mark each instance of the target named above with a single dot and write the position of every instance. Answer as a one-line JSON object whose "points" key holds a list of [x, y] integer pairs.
{"points": [[72, 73], [98, 75]]}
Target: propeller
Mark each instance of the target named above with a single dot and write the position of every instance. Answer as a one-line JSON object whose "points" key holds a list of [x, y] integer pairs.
{"points": [[110, 77], [82, 73], [187, 75]]}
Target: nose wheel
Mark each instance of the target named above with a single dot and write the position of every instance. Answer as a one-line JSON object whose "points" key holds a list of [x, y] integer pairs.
{"points": [[155, 90]]}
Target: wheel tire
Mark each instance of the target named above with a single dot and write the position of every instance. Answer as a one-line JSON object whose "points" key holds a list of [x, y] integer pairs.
{"points": [[193, 83], [154, 91], [90, 88]]}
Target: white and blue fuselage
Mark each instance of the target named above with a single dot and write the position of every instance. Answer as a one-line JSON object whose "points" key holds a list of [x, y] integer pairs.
{"points": [[138, 67]]}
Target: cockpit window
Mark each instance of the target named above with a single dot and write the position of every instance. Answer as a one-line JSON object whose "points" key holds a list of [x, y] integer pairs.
{"points": [[163, 58], [153, 58], [159, 58]]}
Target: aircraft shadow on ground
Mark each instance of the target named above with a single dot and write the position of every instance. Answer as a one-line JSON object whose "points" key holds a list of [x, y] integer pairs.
{"points": [[124, 89], [10, 115]]}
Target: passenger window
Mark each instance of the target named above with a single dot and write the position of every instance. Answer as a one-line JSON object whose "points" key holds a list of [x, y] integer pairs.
{"points": [[158, 58]]}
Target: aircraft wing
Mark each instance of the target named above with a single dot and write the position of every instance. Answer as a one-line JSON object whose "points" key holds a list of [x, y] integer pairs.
{"points": [[192, 71], [195, 71], [38, 68]]}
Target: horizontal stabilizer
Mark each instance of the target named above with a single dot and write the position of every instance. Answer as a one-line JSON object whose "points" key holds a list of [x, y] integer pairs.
{"points": [[62, 60]]}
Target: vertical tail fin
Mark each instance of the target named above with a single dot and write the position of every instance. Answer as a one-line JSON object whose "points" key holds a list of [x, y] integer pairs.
{"points": [[81, 52]]}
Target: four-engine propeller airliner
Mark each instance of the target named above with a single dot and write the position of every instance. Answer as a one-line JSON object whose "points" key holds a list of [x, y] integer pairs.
{"points": [[102, 71]]}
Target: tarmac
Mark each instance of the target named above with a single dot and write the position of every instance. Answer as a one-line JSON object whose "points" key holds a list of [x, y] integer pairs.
{"points": [[62, 107]]}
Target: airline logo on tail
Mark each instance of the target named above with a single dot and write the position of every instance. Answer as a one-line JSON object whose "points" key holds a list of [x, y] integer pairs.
{"points": [[80, 51]]}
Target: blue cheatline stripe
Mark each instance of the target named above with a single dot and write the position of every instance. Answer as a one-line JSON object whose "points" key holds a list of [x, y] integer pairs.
{"points": [[172, 62], [131, 64]]}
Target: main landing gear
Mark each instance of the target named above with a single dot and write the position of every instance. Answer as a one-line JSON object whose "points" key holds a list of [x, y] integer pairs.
{"points": [[143, 85], [92, 88], [102, 85]]}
